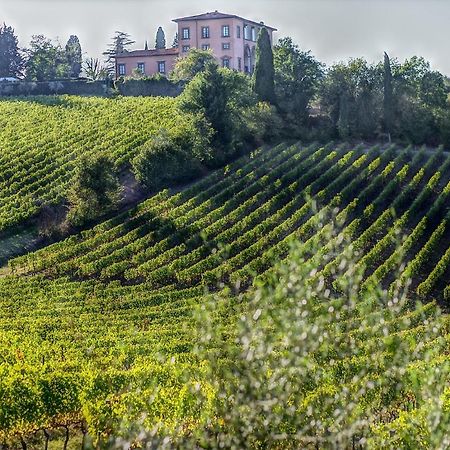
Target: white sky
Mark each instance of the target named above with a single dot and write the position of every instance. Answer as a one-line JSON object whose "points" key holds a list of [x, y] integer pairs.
{"points": [[333, 29]]}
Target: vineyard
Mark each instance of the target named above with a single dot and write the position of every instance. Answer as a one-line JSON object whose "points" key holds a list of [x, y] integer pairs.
{"points": [[38, 156], [92, 325]]}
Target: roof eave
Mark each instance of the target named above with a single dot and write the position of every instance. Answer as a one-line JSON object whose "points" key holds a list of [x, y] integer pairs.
{"points": [[188, 19]]}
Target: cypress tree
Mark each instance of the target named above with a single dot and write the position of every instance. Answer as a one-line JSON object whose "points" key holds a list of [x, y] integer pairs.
{"points": [[175, 41], [74, 56], [160, 39], [11, 61], [343, 123], [388, 100], [264, 76]]}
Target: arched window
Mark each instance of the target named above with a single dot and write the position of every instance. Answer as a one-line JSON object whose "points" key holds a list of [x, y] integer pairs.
{"points": [[247, 60]]}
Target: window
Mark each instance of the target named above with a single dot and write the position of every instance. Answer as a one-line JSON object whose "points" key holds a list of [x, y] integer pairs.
{"points": [[253, 34], [205, 32], [122, 69], [240, 63], [161, 66], [141, 67], [186, 33], [226, 46], [225, 31], [226, 62], [246, 32], [238, 32], [205, 47], [186, 48]]}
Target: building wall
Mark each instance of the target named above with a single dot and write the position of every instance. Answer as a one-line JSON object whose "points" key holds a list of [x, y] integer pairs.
{"points": [[239, 46], [242, 48], [151, 63]]}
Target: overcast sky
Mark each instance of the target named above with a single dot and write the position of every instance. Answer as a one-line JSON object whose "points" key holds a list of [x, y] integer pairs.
{"points": [[333, 29]]}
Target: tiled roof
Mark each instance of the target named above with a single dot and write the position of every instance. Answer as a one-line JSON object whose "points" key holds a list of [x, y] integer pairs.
{"points": [[219, 15], [155, 52]]}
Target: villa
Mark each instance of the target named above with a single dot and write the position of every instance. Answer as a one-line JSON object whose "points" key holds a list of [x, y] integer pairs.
{"points": [[231, 38]]}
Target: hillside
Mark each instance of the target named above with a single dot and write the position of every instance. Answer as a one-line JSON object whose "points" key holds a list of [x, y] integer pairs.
{"points": [[91, 316], [41, 139]]}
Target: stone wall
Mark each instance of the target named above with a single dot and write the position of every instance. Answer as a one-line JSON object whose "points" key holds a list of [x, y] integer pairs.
{"points": [[72, 87], [149, 88]]}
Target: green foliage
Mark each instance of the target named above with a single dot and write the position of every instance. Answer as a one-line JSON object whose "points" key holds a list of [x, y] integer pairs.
{"points": [[297, 78], [351, 95], [175, 41], [195, 62], [252, 122], [207, 95], [388, 100], [45, 61], [39, 155], [407, 101], [74, 56], [121, 41], [98, 328], [165, 161], [94, 189], [264, 74], [11, 60], [160, 42]]}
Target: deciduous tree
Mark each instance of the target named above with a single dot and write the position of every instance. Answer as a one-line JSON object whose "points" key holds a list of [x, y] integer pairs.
{"points": [[297, 78], [186, 68], [95, 189], [45, 60]]}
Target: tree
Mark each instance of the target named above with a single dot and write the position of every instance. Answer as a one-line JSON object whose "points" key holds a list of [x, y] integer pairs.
{"points": [[120, 43], [207, 94], [73, 55], [297, 78], [264, 76], [94, 69], [163, 161], [388, 98], [11, 61], [160, 39], [188, 67], [175, 41], [351, 93], [45, 61], [94, 190]]}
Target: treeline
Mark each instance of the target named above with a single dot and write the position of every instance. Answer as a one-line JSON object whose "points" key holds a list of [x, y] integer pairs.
{"points": [[354, 100], [42, 60], [45, 60]]}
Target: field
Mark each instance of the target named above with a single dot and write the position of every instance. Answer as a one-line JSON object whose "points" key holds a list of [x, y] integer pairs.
{"points": [[90, 325], [38, 156]]}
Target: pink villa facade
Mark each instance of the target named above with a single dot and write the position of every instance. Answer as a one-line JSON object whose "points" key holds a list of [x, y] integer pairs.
{"points": [[231, 38]]}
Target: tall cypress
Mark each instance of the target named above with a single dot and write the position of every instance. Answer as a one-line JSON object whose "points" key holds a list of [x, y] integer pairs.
{"points": [[160, 39], [264, 76], [388, 100], [343, 123], [11, 61], [74, 56]]}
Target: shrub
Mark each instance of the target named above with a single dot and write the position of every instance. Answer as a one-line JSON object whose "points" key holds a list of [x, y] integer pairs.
{"points": [[95, 189], [164, 161]]}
